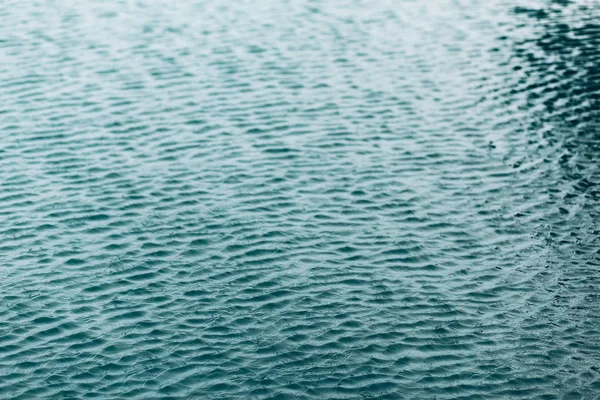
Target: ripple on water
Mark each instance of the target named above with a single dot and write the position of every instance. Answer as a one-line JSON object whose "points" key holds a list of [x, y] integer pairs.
{"points": [[299, 200]]}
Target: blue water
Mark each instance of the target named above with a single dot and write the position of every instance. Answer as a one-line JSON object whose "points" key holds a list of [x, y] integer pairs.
{"points": [[299, 199]]}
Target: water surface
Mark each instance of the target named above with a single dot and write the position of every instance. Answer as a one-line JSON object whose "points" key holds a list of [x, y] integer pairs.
{"points": [[299, 199]]}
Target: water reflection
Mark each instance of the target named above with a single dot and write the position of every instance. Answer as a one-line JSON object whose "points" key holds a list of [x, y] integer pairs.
{"points": [[568, 68], [298, 199], [562, 72], [559, 60]]}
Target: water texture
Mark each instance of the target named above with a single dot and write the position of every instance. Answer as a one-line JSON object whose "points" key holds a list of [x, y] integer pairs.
{"points": [[331, 199]]}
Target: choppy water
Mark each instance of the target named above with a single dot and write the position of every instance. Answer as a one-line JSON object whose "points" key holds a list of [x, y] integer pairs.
{"points": [[299, 199]]}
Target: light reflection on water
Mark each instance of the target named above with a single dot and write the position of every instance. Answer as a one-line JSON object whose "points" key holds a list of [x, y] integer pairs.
{"points": [[299, 199]]}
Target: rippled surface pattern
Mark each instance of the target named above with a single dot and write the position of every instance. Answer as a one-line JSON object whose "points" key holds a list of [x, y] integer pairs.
{"points": [[299, 199]]}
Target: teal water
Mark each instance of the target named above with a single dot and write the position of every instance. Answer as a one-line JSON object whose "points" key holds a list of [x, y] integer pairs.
{"points": [[299, 199]]}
